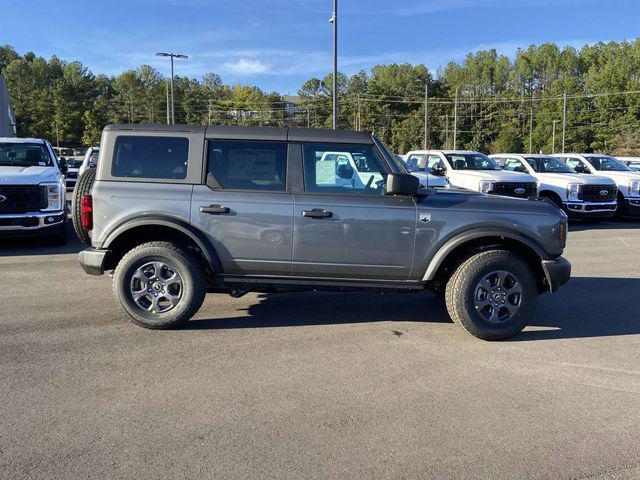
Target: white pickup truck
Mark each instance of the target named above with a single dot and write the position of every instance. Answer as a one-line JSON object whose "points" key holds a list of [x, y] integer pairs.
{"points": [[632, 162], [580, 196], [474, 171], [627, 180], [426, 177], [32, 190]]}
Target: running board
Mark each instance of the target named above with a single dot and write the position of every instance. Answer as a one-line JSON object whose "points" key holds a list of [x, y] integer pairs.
{"points": [[339, 284]]}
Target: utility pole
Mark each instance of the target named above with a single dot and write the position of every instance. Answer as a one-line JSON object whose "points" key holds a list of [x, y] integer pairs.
{"points": [[334, 20], [564, 120], [455, 122], [446, 131], [172, 56], [209, 111], [168, 111], [308, 117], [530, 129], [426, 115], [553, 136]]}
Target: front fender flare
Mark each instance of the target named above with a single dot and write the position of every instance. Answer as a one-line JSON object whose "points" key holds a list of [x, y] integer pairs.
{"points": [[459, 239]]}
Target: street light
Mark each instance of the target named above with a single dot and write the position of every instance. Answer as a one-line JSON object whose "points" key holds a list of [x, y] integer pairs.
{"points": [[334, 20], [172, 56]]}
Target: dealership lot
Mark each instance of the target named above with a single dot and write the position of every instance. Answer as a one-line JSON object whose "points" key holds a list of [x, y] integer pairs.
{"points": [[319, 385]]}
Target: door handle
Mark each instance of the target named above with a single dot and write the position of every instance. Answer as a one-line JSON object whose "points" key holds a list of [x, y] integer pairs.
{"points": [[317, 213], [214, 209]]}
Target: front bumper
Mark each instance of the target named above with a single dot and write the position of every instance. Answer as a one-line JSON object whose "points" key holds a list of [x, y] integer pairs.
{"points": [[30, 223], [590, 209], [557, 272], [633, 207], [92, 260]]}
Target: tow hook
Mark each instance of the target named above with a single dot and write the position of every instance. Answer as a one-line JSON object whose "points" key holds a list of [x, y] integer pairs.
{"points": [[237, 293]]}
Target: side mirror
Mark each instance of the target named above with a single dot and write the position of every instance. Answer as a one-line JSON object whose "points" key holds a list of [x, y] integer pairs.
{"points": [[402, 184], [345, 171], [439, 170], [62, 163]]}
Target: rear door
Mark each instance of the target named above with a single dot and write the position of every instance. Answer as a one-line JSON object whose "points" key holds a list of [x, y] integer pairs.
{"points": [[344, 224], [245, 206]]}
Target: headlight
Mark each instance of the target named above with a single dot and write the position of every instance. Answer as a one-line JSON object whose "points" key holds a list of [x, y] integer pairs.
{"points": [[485, 186], [55, 196], [634, 188], [572, 191]]}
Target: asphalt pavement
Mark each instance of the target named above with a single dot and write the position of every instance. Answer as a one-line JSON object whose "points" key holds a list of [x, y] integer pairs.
{"points": [[326, 386]]}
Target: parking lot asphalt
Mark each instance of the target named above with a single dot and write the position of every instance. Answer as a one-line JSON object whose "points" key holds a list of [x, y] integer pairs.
{"points": [[319, 385]]}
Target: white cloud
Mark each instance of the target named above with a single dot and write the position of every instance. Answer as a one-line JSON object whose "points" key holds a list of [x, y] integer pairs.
{"points": [[246, 67]]}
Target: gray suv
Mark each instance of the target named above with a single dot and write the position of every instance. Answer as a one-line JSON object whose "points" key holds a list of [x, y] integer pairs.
{"points": [[179, 211]]}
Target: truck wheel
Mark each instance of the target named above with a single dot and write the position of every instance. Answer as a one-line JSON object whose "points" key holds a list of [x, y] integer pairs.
{"points": [[83, 187], [492, 295], [159, 285]]}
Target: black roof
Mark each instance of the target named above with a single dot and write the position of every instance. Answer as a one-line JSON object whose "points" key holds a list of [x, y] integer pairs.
{"points": [[255, 133]]}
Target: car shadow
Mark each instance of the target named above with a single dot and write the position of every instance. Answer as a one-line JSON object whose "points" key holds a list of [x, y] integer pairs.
{"points": [[13, 247], [604, 224], [585, 307]]}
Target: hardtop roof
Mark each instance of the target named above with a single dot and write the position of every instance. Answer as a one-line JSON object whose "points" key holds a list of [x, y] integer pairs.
{"points": [[234, 132]]}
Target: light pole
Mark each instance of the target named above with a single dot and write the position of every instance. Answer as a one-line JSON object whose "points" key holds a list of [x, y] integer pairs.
{"points": [[172, 56], [553, 136], [334, 20]]}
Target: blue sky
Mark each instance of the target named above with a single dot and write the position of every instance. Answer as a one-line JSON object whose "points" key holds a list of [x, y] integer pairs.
{"points": [[278, 44]]}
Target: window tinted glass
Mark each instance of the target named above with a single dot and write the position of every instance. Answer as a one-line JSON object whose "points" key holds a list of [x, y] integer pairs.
{"points": [[344, 169], [513, 165], [549, 165], [24, 155], [471, 161], [607, 164], [150, 157], [240, 165]]}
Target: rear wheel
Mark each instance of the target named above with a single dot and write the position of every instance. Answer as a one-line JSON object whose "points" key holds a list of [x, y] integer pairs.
{"points": [[83, 187], [159, 285], [492, 295]]}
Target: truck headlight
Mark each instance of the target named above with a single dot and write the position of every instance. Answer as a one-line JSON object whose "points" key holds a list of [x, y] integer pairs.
{"points": [[573, 189], [485, 186], [55, 196], [634, 188]]}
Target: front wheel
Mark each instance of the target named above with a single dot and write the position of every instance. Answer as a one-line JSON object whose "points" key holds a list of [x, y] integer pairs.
{"points": [[159, 285], [492, 295]]}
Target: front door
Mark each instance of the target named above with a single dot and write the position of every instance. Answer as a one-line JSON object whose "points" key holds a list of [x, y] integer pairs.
{"points": [[344, 224], [245, 208]]}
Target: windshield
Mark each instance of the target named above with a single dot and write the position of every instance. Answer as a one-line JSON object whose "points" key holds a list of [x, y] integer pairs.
{"points": [[607, 164], [406, 164], [549, 165], [399, 164], [471, 161], [635, 166], [24, 155]]}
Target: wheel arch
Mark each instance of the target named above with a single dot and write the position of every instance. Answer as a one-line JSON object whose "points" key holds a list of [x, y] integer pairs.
{"points": [[140, 230], [456, 249]]}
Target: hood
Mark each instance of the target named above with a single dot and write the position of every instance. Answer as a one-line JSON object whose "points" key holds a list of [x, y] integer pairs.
{"points": [[621, 178], [28, 175], [576, 178], [496, 175], [430, 180]]}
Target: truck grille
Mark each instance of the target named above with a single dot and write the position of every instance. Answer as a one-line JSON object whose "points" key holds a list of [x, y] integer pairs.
{"points": [[597, 193], [508, 189], [22, 198]]}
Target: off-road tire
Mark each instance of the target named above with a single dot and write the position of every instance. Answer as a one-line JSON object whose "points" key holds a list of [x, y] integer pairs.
{"points": [[460, 291], [186, 263], [83, 187]]}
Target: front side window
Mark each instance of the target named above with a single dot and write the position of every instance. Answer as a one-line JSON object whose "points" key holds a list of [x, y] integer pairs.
{"points": [[471, 161], [150, 157], [607, 164], [343, 169], [14, 154], [414, 162], [434, 162], [577, 165], [248, 165]]}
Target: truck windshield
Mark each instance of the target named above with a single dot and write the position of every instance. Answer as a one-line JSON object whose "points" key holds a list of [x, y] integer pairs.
{"points": [[549, 165], [24, 155], [607, 164], [471, 161]]}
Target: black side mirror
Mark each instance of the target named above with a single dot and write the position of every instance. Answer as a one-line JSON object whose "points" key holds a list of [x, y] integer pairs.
{"points": [[62, 163], [439, 170], [345, 171], [402, 184]]}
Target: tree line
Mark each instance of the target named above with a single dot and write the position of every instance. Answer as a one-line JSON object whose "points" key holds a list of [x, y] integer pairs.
{"points": [[487, 102]]}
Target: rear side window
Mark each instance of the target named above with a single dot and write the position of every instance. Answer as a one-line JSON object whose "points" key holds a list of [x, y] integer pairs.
{"points": [[247, 165], [150, 157]]}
